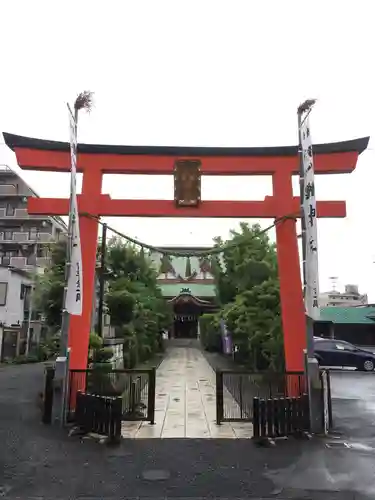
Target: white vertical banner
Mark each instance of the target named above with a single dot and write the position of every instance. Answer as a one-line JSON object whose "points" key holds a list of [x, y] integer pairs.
{"points": [[310, 218], [74, 294]]}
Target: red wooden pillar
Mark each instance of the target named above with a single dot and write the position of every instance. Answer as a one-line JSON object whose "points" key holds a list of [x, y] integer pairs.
{"points": [[80, 326], [292, 305]]}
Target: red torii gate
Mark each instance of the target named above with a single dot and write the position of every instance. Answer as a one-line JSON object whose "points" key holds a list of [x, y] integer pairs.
{"points": [[279, 162]]}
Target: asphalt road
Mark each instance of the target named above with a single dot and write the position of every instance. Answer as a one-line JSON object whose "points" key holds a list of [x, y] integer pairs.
{"points": [[353, 404], [41, 462]]}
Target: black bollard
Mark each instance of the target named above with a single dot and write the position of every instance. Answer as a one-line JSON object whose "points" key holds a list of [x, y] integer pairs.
{"points": [[48, 395]]}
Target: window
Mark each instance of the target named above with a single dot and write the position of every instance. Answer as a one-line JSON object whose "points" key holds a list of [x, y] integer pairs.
{"points": [[41, 251], [10, 209], [11, 253], [324, 346], [343, 346], [3, 293]]}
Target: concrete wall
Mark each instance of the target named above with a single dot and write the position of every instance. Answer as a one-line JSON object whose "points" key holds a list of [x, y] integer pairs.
{"points": [[116, 345]]}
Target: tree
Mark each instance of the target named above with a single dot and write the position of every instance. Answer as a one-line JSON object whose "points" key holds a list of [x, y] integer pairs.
{"points": [[248, 291], [49, 288], [134, 301]]}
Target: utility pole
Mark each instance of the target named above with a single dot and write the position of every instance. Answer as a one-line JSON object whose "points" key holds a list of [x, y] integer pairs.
{"points": [[310, 261], [32, 291], [102, 279]]}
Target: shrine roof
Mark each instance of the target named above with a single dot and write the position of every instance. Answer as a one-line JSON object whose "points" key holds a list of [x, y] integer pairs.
{"points": [[196, 289], [349, 315], [17, 141], [188, 297]]}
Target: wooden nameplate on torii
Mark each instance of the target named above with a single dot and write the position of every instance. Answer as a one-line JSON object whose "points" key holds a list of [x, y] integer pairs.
{"points": [[187, 183]]}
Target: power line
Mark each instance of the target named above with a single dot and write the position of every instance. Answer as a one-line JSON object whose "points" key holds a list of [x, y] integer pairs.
{"points": [[202, 253]]}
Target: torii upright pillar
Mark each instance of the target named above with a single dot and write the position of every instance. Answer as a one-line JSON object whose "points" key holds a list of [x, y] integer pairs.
{"points": [[280, 162]]}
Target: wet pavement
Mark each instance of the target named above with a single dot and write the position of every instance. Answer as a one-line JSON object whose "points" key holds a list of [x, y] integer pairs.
{"points": [[353, 403], [348, 462], [41, 462], [186, 402]]}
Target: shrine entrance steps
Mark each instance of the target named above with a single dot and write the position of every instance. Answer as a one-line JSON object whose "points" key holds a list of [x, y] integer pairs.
{"points": [[185, 405]]}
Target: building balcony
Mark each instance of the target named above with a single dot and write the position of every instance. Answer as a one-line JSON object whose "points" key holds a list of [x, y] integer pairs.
{"points": [[19, 214], [20, 237], [44, 237], [26, 263], [19, 262], [25, 237], [11, 190]]}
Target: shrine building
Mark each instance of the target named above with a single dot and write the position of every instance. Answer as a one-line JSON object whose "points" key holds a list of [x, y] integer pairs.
{"points": [[187, 283]]}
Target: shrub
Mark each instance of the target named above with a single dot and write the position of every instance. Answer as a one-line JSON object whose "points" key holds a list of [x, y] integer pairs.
{"points": [[210, 333]]}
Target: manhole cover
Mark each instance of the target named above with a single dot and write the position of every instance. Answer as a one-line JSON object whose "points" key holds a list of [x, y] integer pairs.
{"points": [[156, 475], [337, 444]]}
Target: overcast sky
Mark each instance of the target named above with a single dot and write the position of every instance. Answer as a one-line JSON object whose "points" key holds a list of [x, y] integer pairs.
{"points": [[209, 73]]}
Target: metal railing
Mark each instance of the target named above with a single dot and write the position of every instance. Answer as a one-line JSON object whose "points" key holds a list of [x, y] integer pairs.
{"points": [[136, 388], [236, 390]]}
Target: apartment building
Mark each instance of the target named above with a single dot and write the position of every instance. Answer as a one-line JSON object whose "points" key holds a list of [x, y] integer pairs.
{"points": [[349, 298], [24, 238], [24, 247]]}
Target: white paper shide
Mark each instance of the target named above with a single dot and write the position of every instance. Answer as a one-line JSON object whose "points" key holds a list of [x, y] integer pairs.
{"points": [[74, 295], [310, 218]]}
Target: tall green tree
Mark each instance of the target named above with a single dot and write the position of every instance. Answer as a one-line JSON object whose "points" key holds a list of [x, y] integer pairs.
{"points": [[248, 290], [135, 303], [49, 289]]}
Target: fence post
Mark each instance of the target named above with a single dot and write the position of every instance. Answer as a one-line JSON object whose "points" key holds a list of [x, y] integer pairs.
{"points": [[132, 403], [151, 396], [276, 419], [240, 397], [330, 415], [270, 418], [256, 415], [294, 416], [262, 418], [306, 413], [48, 395], [116, 420], [219, 397], [288, 415], [281, 416]]}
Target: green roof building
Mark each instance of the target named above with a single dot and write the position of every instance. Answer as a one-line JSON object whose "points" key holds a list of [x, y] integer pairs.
{"points": [[353, 324], [188, 285]]}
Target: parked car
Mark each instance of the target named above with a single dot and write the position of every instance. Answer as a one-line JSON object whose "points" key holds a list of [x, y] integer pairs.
{"points": [[331, 352]]}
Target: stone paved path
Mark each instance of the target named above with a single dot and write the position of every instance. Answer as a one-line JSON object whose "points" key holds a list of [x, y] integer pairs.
{"points": [[186, 402]]}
